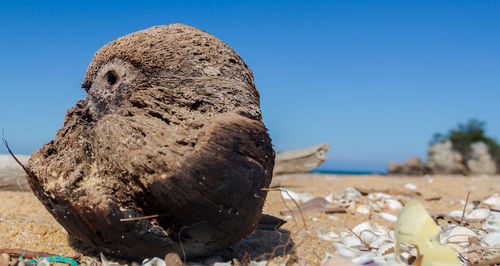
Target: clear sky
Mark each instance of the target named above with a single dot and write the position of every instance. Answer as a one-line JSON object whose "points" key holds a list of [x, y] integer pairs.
{"points": [[375, 79]]}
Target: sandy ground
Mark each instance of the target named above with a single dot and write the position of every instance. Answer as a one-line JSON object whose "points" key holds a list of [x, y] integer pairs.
{"points": [[25, 224]]}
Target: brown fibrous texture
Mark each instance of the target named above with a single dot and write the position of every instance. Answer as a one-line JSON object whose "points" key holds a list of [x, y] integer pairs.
{"points": [[171, 129]]}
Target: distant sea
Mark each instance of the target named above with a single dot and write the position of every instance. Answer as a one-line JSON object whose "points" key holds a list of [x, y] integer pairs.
{"points": [[344, 172]]}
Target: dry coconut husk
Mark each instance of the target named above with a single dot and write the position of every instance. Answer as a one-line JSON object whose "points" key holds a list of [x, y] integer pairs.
{"points": [[167, 153]]}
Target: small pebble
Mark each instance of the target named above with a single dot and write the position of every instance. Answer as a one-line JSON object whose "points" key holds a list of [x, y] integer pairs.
{"points": [[172, 259]]}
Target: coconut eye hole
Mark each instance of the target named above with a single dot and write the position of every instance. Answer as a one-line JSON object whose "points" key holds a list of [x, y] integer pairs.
{"points": [[111, 78]]}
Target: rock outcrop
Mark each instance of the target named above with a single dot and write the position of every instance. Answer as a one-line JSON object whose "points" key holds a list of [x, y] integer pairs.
{"points": [[480, 161], [442, 159], [413, 166]]}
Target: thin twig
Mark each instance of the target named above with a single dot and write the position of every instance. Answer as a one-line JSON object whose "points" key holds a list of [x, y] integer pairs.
{"points": [[356, 235], [28, 172], [465, 206], [142, 218], [180, 241], [31, 254], [295, 202]]}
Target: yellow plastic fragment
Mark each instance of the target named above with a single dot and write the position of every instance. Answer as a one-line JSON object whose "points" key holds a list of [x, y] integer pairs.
{"points": [[415, 226]]}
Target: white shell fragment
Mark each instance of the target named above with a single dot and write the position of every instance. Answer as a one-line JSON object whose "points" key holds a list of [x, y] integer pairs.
{"points": [[368, 237], [388, 216], [478, 215], [362, 227], [363, 209], [288, 195], [385, 249], [459, 234], [154, 262], [494, 200], [492, 239], [456, 213], [349, 252], [410, 186], [392, 205], [329, 198], [492, 223], [378, 196], [349, 195], [351, 241], [330, 236]]}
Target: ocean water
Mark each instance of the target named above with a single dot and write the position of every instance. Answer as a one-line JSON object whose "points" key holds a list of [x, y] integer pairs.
{"points": [[344, 172]]}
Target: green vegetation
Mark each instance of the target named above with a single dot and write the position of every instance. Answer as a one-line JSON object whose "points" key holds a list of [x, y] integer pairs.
{"points": [[464, 135]]}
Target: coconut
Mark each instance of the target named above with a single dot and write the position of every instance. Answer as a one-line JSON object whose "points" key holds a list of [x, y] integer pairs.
{"points": [[167, 153]]}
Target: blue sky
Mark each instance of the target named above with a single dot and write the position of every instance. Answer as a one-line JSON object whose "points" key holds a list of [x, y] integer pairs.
{"points": [[375, 79]]}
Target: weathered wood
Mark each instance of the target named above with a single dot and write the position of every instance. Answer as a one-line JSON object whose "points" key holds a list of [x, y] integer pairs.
{"points": [[300, 161], [170, 129], [12, 176]]}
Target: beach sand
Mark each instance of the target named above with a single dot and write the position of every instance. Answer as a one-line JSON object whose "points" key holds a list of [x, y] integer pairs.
{"points": [[25, 224]]}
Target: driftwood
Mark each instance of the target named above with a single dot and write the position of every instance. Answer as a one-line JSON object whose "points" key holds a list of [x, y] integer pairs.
{"points": [[300, 161], [12, 176]]}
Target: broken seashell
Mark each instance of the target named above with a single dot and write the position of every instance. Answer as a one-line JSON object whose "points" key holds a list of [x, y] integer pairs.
{"points": [[154, 262], [378, 196], [363, 209], [106, 262], [494, 200], [492, 239], [415, 226], [362, 227], [349, 195], [478, 215], [458, 249], [410, 186], [43, 262], [351, 241], [388, 216], [368, 236], [381, 241], [385, 249], [456, 213], [392, 205], [348, 252], [492, 223], [459, 234], [330, 236], [288, 195], [329, 198], [333, 217]]}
